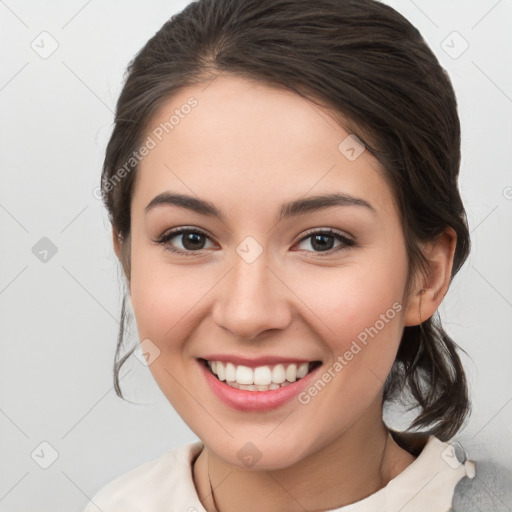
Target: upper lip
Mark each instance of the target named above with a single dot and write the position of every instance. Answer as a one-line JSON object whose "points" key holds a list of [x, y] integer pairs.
{"points": [[254, 362]]}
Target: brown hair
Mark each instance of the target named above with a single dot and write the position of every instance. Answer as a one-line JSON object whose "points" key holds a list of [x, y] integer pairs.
{"points": [[368, 64]]}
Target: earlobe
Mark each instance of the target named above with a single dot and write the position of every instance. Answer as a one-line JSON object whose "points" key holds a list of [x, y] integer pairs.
{"points": [[122, 250], [432, 288], [116, 243]]}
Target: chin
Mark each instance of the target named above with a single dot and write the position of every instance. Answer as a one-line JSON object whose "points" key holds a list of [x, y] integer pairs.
{"points": [[262, 453]]}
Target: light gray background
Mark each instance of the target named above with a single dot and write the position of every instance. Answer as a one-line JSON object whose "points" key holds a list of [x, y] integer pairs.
{"points": [[59, 318]]}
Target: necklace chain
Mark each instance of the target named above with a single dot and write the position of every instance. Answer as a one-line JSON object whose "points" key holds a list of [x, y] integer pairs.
{"points": [[210, 482]]}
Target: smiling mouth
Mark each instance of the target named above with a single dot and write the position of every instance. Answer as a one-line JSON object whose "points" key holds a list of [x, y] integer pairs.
{"points": [[260, 378]]}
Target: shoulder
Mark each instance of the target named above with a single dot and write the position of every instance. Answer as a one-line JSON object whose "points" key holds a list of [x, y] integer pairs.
{"points": [[146, 488], [489, 491], [480, 485]]}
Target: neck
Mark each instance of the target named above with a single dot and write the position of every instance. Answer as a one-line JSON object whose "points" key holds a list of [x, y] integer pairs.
{"points": [[358, 463]]}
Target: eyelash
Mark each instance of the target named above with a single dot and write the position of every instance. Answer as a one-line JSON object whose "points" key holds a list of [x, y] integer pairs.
{"points": [[346, 242]]}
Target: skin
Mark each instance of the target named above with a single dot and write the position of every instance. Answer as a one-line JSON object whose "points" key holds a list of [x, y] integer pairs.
{"points": [[247, 148]]}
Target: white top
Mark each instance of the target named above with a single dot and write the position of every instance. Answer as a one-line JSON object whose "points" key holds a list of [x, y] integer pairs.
{"points": [[166, 484]]}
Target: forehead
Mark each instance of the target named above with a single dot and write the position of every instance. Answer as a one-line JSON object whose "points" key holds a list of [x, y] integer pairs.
{"points": [[267, 144]]}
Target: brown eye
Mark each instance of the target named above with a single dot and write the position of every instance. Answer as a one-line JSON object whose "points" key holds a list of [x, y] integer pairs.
{"points": [[191, 240], [324, 241]]}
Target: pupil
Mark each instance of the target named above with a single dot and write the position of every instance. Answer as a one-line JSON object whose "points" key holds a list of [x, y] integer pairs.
{"points": [[192, 241], [322, 245]]}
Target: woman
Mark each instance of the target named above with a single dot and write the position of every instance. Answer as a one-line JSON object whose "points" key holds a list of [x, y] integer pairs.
{"points": [[282, 186]]}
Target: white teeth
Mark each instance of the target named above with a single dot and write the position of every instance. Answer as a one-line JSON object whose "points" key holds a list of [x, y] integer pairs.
{"points": [[220, 371], [262, 375], [261, 378], [244, 375], [291, 373], [230, 372], [302, 370], [278, 374]]}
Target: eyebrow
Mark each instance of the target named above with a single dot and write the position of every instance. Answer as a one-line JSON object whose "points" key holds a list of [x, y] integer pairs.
{"points": [[290, 209]]}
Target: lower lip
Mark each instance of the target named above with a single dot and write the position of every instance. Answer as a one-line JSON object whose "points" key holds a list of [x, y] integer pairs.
{"points": [[244, 400]]}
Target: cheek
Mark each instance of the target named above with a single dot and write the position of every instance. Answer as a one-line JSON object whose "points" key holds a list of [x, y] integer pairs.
{"points": [[165, 304], [350, 299], [154, 290], [360, 307], [167, 299]]}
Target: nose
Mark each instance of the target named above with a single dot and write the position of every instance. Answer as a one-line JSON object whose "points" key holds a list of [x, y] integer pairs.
{"points": [[252, 299]]}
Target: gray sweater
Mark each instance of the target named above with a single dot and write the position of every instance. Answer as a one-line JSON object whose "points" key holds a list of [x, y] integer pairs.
{"points": [[489, 491]]}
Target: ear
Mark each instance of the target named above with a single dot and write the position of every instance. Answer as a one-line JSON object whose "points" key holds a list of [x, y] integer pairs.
{"points": [[116, 242], [430, 290], [122, 250]]}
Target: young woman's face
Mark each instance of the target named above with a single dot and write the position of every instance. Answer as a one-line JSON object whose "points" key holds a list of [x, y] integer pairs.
{"points": [[268, 274]]}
